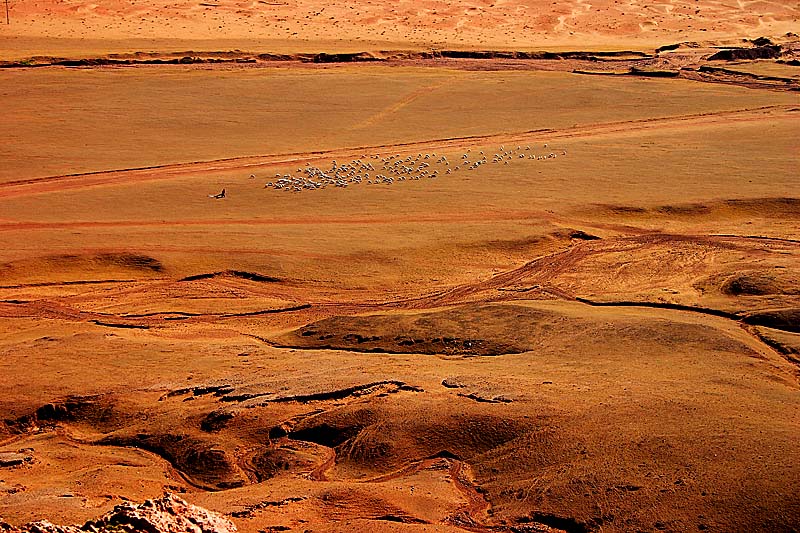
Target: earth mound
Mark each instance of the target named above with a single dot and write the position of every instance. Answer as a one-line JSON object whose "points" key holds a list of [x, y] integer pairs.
{"points": [[80, 268], [480, 330], [377, 441], [761, 283], [768, 51], [787, 207], [784, 342], [202, 461], [783, 319]]}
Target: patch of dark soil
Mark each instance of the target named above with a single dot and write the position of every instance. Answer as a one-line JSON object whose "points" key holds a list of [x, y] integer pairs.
{"points": [[512, 245], [109, 61], [380, 388], [120, 325], [653, 73], [767, 51], [97, 411], [661, 305], [332, 428], [580, 55], [251, 510], [783, 319], [568, 524], [345, 58], [486, 398], [216, 420], [683, 209], [166, 315], [74, 269], [625, 209], [479, 330], [12, 459], [397, 438], [744, 75], [532, 243], [453, 383], [252, 276], [326, 435], [274, 461], [480, 391], [767, 207], [402, 519], [669, 47], [268, 311], [785, 343], [583, 236], [444, 454], [761, 41], [201, 390], [211, 57], [761, 283], [66, 410], [275, 57], [18, 425], [278, 432], [132, 261]]}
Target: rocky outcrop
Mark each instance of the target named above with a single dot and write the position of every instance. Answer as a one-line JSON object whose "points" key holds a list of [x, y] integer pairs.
{"points": [[768, 51], [14, 459], [42, 526], [168, 514]]}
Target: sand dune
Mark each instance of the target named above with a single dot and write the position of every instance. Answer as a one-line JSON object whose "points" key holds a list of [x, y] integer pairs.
{"points": [[432, 23]]}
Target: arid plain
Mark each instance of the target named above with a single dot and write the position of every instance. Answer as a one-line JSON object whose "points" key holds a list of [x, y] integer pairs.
{"points": [[490, 267]]}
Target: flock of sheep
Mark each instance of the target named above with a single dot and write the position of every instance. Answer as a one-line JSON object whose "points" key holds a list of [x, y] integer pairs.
{"points": [[385, 170]]}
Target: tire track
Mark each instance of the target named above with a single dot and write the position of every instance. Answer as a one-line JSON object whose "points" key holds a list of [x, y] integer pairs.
{"points": [[400, 104], [320, 472], [543, 270], [472, 515], [358, 220]]}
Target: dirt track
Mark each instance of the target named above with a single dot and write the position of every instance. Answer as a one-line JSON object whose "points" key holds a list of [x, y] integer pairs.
{"points": [[253, 163]]}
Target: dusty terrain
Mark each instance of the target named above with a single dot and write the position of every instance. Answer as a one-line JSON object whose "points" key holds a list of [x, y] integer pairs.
{"points": [[304, 25], [490, 267]]}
